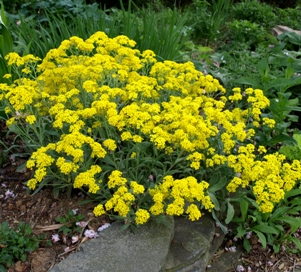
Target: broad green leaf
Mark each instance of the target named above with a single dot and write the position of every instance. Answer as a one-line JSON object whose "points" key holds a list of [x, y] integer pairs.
{"points": [[240, 231], [297, 138], [291, 193], [107, 159], [292, 221], [296, 242], [230, 213], [265, 229], [244, 205], [214, 200], [219, 185], [281, 139], [223, 228], [278, 212], [276, 248], [124, 227], [6, 41], [289, 71], [214, 179], [249, 81], [262, 238], [296, 209], [263, 68], [247, 245]]}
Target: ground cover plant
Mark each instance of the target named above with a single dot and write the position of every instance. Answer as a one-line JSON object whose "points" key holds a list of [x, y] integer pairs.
{"points": [[113, 130]]}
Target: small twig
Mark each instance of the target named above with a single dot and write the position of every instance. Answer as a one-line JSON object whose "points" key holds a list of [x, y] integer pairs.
{"points": [[38, 216], [67, 251], [248, 261]]}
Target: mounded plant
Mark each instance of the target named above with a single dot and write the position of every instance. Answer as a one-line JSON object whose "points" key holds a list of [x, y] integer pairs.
{"points": [[146, 139]]}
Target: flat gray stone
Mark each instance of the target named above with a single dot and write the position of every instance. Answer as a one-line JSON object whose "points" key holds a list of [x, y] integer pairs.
{"points": [[225, 261], [116, 251], [189, 250]]}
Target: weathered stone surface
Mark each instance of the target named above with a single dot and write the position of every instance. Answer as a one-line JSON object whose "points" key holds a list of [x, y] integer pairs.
{"points": [[279, 29], [225, 261], [182, 246], [189, 250], [122, 251]]}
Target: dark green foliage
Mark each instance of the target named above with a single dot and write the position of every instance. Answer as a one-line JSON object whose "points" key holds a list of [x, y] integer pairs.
{"points": [[254, 12], [289, 17], [69, 221], [282, 3], [243, 33], [16, 243]]}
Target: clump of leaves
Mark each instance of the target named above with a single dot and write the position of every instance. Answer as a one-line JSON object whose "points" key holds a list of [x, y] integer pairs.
{"points": [[69, 223], [293, 150], [16, 243]]}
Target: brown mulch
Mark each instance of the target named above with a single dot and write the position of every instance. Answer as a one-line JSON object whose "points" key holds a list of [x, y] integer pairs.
{"points": [[40, 211]]}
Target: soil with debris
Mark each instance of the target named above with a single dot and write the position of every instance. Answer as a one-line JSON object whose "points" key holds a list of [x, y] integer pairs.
{"points": [[40, 211], [260, 259]]}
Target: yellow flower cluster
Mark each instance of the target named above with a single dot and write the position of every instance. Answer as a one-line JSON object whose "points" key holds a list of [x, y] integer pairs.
{"points": [[270, 177], [171, 195], [100, 94]]}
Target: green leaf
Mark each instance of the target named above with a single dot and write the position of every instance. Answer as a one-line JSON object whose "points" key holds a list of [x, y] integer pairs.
{"points": [[281, 139], [292, 193], [230, 213], [219, 185], [124, 227], [240, 231], [263, 68], [223, 228], [296, 242], [214, 200], [262, 238], [265, 229], [276, 248], [249, 81], [278, 212], [244, 205], [292, 221], [108, 160], [247, 245]]}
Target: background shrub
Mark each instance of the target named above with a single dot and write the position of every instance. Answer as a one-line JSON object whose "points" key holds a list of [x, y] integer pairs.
{"points": [[254, 12], [282, 3]]}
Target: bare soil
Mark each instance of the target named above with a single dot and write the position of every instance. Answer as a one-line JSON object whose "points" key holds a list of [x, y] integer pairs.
{"points": [[40, 211]]}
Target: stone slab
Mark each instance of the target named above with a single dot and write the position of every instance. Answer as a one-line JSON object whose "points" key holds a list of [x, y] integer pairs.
{"points": [[189, 250], [118, 251]]}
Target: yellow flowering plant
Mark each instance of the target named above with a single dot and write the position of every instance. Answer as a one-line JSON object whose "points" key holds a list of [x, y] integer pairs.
{"points": [[143, 138]]}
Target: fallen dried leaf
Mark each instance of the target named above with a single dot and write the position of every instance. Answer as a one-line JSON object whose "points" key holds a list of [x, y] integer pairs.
{"points": [[281, 266]]}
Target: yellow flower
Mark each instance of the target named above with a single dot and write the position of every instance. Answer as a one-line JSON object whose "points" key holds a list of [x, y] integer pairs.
{"points": [[110, 144], [193, 212], [32, 183], [30, 119], [142, 216], [99, 210], [137, 188], [116, 179], [10, 121]]}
